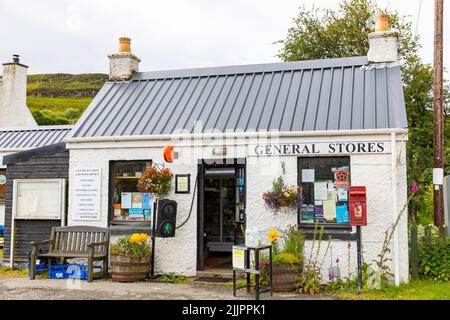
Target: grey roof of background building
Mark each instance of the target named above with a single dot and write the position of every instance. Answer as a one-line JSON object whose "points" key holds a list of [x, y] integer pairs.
{"points": [[32, 137], [329, 94]]}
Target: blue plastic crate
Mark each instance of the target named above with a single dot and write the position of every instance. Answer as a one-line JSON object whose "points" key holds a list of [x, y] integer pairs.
{"points": [[71, 271], [57, 271], [39, 267]]}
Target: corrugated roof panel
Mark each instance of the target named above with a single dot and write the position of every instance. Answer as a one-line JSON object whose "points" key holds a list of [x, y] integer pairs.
{"points": [[358, 101], [32, 138], [334, 94], [266, 114], [323, 106], [345, 115], [303, 94], [222, 118], [183, 95], [397, 114], [279, 106], [221, 104], [370, 110], [381, 94], [291, 102]]}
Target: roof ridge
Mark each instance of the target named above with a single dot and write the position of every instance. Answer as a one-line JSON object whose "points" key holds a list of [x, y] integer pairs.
{"points": [[251, 68]]}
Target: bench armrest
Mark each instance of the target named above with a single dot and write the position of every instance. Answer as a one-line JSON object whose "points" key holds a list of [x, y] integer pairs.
{"points": [[97, 244], [37, 243]]}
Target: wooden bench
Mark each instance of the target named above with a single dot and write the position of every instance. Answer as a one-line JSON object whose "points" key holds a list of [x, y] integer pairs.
{"points": [[87, 242]]}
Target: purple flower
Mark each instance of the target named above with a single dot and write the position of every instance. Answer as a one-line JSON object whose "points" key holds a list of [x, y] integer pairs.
{"points": [[330, 276], [263, 264], [337, 260], [414, 188]]}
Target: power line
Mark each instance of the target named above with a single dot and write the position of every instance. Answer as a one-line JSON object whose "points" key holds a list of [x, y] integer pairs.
{"points": [[418, 17]]}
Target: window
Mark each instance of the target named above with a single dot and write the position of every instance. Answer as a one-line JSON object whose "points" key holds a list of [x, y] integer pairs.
{"points": [[127, 202], [325, 182], [39, 199]]}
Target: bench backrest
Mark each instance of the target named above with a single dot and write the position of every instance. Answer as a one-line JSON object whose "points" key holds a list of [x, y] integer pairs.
{"points": [[76, 238]]}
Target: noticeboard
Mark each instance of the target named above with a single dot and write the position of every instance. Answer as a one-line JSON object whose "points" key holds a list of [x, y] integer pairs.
{"points": [[39, 199]]}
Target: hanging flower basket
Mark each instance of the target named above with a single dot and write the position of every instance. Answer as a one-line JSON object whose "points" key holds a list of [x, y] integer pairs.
{"points": [[282, 196], [156, 181]]}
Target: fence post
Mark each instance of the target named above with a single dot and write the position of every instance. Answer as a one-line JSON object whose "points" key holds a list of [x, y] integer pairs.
{"points": [[414, 252], [427, 238]]}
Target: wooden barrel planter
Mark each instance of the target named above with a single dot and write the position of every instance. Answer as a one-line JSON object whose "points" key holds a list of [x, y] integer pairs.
{"points": [[129, 269], [284, 276]]}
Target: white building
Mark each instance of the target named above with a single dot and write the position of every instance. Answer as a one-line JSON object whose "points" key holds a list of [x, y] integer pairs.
{"points": [[236, 129]]}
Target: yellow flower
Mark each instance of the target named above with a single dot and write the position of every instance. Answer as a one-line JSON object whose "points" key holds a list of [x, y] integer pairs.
{"points": [[273, 235], [138, 238]]}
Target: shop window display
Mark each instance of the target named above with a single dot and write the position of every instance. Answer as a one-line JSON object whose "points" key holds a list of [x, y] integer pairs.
{"points": [[325, 183], [128, 203]]}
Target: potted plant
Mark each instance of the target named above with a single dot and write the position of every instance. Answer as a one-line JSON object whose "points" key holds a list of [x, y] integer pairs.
{"points": [[282, 196], [156, 181], [130, 258], [287, 262]]}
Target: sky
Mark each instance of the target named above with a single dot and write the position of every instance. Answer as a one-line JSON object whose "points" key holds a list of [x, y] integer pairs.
{"points": [[75, 36]]}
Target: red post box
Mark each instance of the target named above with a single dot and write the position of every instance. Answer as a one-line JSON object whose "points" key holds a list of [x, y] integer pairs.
{"points": [[358, 206]]}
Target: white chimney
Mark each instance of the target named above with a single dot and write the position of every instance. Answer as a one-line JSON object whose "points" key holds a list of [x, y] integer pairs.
{"points": [[14, 112], [383, 43], [123, 65]]}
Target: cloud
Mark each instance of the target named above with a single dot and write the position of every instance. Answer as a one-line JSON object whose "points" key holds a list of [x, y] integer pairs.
{"points": [[76, 36]]}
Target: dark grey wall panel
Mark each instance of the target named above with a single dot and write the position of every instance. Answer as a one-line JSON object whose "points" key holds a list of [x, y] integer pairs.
{"points": [[42, 167]]}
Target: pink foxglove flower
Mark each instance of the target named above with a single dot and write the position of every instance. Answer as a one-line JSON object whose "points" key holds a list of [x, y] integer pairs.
{"points": [[414, 188]]}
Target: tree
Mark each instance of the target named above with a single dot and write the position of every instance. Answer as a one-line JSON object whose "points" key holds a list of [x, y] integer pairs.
{"points": [[322, 34]]}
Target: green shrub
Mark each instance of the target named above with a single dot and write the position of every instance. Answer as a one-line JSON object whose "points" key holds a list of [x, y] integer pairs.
{"points": [[72, 113], [434, 254]]}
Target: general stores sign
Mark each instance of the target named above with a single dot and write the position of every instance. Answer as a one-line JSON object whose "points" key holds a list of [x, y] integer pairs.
{"points": [[87, 190], [332, 148]]}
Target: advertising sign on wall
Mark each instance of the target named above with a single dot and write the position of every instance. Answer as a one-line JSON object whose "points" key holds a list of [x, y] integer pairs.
{"points": [[86, 197]]}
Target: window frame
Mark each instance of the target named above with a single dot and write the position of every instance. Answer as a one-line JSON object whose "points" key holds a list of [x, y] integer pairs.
{"points": [[118, 223], [342, 231]]}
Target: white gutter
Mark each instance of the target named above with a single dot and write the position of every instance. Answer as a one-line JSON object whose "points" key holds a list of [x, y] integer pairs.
{"points": [[15, 149], [218, 135], [395, 208]]}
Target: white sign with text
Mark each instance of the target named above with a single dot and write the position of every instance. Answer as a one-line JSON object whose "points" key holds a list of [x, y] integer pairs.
{"points": [[87, 194]]}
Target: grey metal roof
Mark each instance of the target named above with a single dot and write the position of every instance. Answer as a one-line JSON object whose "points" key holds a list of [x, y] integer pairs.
{"points": [[331, 94], [33, 137]]}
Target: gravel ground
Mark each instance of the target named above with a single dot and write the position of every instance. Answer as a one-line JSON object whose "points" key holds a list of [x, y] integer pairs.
{"points": [[46, 289]]}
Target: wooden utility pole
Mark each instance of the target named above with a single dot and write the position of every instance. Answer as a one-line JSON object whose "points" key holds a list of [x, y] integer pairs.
{"points": [[438, 118]]}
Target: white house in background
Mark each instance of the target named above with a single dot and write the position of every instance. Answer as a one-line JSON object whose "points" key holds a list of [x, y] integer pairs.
{"points": [[235, 129], [18, 129]]}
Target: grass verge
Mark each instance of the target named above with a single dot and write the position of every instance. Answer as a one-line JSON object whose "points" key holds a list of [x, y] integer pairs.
{"points": [[423, 289]]}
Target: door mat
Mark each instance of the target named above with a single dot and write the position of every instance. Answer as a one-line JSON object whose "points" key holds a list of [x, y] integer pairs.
{"points": [[213, 279]]}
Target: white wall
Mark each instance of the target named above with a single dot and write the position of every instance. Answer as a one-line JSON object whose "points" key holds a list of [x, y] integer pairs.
{"points": [[179, 254]]}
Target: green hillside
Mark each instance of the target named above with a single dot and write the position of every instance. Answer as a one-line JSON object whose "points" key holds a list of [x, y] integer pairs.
{"points": [[61, 98]]}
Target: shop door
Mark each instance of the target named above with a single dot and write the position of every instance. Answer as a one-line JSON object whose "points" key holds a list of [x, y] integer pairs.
{"points": [[221, 213]]}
